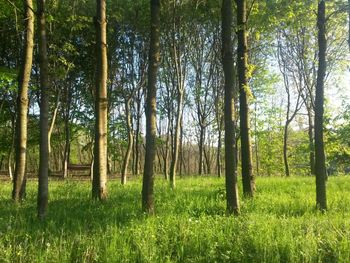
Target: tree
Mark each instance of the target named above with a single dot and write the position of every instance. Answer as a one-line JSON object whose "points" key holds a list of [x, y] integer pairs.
{"points": [[19, 181], [227, 61], [148, 173], [284, 62], [202, 57], [320, 166], [130, 139], [43, 187], [99, 182], [242, 67], [179, 62], [132, 70]]}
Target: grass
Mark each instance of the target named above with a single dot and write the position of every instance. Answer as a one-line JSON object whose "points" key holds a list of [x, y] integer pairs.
{"points": [[190, 225]]}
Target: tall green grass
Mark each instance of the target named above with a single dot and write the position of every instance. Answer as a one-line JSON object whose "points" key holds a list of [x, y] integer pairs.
{"points": [[280, 224]]}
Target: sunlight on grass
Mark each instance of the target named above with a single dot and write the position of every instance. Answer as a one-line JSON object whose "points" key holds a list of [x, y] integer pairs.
{"points": [[190, 225]]}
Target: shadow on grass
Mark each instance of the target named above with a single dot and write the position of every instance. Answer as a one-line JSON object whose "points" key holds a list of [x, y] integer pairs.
{"points": [[72, 215], [72, 211]]}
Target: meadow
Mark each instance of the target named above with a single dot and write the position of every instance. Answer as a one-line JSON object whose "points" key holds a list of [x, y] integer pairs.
{"points": [[280, 224]]}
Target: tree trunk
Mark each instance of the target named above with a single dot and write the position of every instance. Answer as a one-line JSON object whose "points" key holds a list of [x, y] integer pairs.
{"points": [[200, 148], [256, 142], [181, 155], [154, 50], [218, 154], [285, 149], [137, 135], [66, 153], [311, 144], [66, 148], [207, 159], [175, 158], [43, 187], [54, 116], [99, 182], [242, 63], [166, 156], [320, 166], [18, 191], [10, 170], [230, 162], [130, 141]]}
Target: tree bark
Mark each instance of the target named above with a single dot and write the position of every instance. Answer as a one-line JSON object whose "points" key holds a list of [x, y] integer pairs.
{"points": [[54, 116], [154, 50], [174, 161], [99, 182], [200, 148], [166, 155], [19, 181], [257, 161], [218, 154], [242, 63], [311, 143], [230, 162], [207, 158], [176, 56], [285, 147], [43, 188], [320, 167], [66, 154], [130, 141], [181, 150], [137, 134], [10, 155]]}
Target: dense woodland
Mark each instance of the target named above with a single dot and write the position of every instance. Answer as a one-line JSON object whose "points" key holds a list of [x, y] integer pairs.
{"points": [[173, 88]]}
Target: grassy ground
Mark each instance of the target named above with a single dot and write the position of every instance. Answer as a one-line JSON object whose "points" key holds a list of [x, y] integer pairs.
{"points": [[190, 225]]}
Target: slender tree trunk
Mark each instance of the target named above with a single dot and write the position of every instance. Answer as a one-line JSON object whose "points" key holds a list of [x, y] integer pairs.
{"points": [[92, 162], [242, 63], [320, 166], [159, 168], [43, 186], [167, 146], [256, 142], [66, 154], [130, 141], [311, 144], [99, 182], [200, 148], [137, 135], [218, 154], [285, 148], [181, 165], [52, 125], [10, 165], [154, 50], [10, 170], [18, 191], [175, 158], [207, 158], [230, 162]]}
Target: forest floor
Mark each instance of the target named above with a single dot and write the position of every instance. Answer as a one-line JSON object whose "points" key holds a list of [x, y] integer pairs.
{"points": [[280, 224]]}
